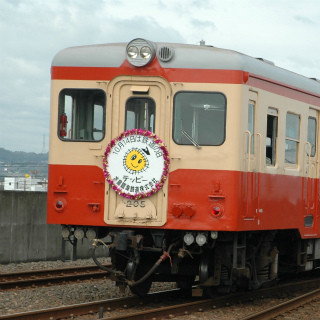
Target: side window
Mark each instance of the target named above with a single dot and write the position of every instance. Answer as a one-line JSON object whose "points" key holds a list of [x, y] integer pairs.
{"points": [[292, 138], [199, 118], [312, 134], [251, 117], [81, 114], [271, 136], [140, 114]]}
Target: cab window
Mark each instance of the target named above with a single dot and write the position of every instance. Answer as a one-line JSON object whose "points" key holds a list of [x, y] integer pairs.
{"points": [[81, 115], [199, 118]]}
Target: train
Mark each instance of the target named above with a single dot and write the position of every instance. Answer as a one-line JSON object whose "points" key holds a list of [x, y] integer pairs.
{"points": [[188, 163]]}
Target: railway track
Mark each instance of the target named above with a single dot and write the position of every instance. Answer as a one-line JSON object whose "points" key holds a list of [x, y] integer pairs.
{"points": [[92, 308], [282, 308], [117, 309], [49, 277]]}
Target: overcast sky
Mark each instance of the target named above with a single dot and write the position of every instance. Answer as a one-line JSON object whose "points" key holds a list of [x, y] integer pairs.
{"points": [[33, 31]]}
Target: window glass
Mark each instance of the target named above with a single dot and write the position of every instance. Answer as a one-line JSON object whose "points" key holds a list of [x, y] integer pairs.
{"points": [[97, 123], [199, 118], [81, 114], [292, 138], [251, 107], [312, 130], [140, 114], [272, 133], [293, 126]]}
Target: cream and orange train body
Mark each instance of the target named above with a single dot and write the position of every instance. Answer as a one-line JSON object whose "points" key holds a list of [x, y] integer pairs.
{"points": [[186, 161]]}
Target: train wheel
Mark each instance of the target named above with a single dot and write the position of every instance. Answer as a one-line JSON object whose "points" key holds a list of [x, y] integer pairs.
{"points": [[137, 272]]}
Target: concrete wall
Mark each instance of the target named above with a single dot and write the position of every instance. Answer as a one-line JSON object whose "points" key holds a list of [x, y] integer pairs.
{"points": [[24, 234]]}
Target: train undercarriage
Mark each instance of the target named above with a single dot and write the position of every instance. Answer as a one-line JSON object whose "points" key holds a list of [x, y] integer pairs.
{"points": [[216, 261]]}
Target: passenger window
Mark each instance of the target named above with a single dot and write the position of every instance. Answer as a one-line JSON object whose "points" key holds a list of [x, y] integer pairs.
{"points": [[199, 118], [81, 114], [312, 134], [292, 138], [251, 116], [272, 133], [140, 114]]}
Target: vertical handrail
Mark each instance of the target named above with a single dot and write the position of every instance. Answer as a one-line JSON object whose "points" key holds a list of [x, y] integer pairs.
{"points": [[260, 150], [248, 145], [308, 156]]}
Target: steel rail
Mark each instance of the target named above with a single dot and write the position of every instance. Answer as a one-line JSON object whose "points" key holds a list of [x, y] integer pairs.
{"points": [[90, 307], [31, 278], [283, 307], [177, 310]]}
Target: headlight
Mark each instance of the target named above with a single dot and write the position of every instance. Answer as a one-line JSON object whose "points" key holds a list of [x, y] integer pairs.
{"points": [[145, 52], [140, 52], [133, 52]]}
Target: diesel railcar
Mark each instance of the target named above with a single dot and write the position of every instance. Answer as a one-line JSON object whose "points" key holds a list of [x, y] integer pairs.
{"points": [[187, 162]]}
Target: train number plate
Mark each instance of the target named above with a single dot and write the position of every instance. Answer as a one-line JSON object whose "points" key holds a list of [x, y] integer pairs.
{"points": [[135, 203], [136, 209]]}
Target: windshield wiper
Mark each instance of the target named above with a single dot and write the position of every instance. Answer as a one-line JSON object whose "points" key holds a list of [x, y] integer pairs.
{"points": [[194, 142]]}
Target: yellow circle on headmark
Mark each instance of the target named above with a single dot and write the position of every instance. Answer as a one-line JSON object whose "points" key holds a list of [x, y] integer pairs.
{"points": [[135, 161]]}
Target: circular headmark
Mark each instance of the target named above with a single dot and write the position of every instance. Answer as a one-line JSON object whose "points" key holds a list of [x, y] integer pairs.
{"points": [[136, 164]]}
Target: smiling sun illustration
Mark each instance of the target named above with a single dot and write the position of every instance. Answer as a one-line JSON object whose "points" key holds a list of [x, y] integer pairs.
{"points": [[135, 161]]}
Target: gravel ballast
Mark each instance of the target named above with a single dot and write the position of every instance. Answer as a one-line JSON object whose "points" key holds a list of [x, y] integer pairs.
{"points": [[22, 300], [28, 299]]}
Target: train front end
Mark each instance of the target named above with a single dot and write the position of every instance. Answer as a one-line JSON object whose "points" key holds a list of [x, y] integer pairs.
{"points": [[145, 156]]}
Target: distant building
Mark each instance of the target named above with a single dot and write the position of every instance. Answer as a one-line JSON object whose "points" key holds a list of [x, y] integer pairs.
{"points": [[25, 184]]}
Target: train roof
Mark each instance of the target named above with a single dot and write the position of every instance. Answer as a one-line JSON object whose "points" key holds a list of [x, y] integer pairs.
{"points": [[186, 57]]}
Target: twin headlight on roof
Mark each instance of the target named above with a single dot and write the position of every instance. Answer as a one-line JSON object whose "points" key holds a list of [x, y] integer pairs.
{"points": [[140, 52]]}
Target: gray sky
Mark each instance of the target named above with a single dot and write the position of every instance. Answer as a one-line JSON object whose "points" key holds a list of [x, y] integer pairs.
{"points": [[33, 31]]}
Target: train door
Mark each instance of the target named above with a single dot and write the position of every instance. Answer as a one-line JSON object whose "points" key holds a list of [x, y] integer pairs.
{"points": [[311, 174], [137, 104], [252, 167]]}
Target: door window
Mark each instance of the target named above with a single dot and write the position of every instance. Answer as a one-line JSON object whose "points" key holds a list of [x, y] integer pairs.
{"points": [[140, 114], [251, 117], [312, 134]]}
